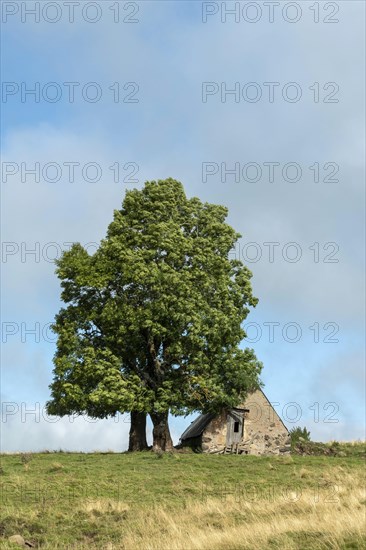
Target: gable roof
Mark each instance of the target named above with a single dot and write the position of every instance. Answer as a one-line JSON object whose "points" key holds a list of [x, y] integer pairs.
{"points": [[197, 426], [273, 409]]}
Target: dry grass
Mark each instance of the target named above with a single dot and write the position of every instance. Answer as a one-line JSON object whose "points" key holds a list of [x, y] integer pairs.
{"points": [[329, 517], [56, 467], [104, 506], [193, 502], [292, 523]]}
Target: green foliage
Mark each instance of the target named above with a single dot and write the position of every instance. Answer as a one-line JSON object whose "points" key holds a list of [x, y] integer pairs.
{"points": [[299, 434], [153, 319]]}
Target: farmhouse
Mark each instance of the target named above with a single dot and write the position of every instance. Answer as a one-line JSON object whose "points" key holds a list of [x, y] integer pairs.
{"points": [[252, 428]]}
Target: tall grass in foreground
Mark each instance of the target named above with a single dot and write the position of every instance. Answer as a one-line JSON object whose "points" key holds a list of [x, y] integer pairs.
{"points": [[216, 525], [257, 525], [301, 503]]}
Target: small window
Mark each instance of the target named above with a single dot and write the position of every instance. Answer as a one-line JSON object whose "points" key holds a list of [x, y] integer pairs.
{"points": [[236, 427]]}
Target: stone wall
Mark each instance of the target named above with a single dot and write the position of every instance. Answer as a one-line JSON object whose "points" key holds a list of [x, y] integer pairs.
{"points": [[264, 432], [214, 435]]}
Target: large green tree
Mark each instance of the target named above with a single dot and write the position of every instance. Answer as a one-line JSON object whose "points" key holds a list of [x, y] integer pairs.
{"points": [[153, 319]]}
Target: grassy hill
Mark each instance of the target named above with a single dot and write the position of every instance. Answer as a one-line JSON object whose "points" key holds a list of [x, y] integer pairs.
{"points": [[184, 501]]}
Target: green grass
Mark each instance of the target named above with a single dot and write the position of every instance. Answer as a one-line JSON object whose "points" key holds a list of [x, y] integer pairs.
{"points": [[75, 500]]}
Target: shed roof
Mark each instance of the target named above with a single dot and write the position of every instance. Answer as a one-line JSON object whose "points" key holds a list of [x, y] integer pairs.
{"points": [[197, 426]]}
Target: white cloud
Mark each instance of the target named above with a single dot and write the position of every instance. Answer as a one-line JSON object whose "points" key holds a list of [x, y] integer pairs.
{"points": [[26, 427], [170, 132]]}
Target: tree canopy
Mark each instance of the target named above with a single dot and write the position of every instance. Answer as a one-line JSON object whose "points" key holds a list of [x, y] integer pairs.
{"points": [[152, 321]]}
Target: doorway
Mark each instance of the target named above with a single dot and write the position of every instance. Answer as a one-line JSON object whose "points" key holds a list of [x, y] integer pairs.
{"points": [[235, 427]]}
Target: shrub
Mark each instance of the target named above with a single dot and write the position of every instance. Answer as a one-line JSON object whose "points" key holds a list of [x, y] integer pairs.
{"points": [[298, 435]]}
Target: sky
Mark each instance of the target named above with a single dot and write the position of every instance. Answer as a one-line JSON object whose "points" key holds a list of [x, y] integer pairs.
{"points": [[258, 106]]}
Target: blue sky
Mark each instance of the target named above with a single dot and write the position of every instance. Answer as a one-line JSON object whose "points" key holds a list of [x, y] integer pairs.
{"points": [[170, 132]]}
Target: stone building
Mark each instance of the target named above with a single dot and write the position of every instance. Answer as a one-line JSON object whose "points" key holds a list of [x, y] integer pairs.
{"points": [[252, 428]]}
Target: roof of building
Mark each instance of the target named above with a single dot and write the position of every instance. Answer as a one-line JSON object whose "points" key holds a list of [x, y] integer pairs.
{"points": [[197, 426]]}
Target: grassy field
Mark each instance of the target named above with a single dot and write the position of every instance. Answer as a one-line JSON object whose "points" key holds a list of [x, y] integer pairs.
{"points": [[184, 501]]}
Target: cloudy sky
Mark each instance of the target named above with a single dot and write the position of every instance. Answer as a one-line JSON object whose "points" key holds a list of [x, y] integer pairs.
{"points": [[257, 106]]}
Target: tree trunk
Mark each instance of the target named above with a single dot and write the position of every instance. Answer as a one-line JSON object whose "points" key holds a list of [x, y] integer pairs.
{"points": [[137, 440], [162, 440]]}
